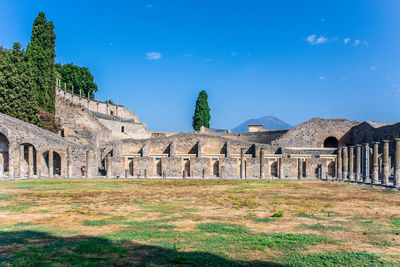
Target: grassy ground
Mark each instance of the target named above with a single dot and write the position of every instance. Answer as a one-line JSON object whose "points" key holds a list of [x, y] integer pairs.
{"points": [[194, 222]]}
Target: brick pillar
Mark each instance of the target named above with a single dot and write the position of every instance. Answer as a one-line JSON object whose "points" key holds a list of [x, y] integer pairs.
{"points": [[30, 161], [108, 166], [69, 163], [358, 163], [385, 163], [351, 163], [300, 168], [396, 162], [262, 164], [51, 164], [199, 149], [228, 149], [21, 162], [172, 149], [375, 162], [242, 163], [1, 165], [345, 154], [339, 164]]}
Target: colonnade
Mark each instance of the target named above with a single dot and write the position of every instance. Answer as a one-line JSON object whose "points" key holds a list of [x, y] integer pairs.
{"points": [[369, 166]]}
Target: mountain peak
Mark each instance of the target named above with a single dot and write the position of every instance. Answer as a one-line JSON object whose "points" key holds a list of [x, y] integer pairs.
{"points": [[268, 122]]}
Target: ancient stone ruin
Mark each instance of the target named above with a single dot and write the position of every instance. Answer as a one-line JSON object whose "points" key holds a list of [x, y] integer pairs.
{"points": [[99, 139]]}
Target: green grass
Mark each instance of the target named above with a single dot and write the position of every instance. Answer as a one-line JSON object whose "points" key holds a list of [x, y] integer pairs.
{"points": [[310, 216], [321, 227]]}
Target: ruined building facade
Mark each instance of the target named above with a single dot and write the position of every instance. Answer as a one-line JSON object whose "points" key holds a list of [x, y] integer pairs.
{"points": [[99, 139]]}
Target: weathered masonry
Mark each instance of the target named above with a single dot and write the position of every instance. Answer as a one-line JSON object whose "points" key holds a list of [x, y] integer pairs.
{"points": [[99, 139]]}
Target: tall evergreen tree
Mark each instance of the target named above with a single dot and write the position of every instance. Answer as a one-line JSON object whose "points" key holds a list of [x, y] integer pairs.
{"points": [[79, 77], [201, 115], [17, 98], [41, 54]]}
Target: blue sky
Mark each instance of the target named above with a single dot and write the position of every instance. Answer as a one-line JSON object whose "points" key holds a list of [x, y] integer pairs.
{"points": [[291, 59]]}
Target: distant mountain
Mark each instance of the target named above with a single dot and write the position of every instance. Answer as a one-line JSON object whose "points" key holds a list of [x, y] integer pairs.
{"points": [[269, 122]]}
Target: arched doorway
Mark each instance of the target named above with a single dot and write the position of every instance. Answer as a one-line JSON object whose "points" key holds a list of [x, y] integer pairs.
{"points": [[56, 166], [215, 164], [186, 166], [4, 143], [331, 142], [26, 158]]}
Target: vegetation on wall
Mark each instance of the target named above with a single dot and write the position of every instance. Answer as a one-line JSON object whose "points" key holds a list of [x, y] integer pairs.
{"points": [[201, 115], [80, 78]]}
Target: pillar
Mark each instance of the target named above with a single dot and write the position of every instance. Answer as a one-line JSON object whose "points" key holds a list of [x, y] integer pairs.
{"points": [[280, 162], [262, 164], [375, 162], [366, 163], [108, 166], [21, 162], [242, 163], [396, 162], [345, 163], [351, 163], [339, 164], [69, 163], [11, 161], [228, 149], [51, 164], [39, 164], [358, 163], [1, 165], [385, 163], [30, 161], [300, 168], [88, 165]]}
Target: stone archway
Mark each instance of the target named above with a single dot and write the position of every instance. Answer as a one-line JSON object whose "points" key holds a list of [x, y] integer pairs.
{"points": [[331, 142], [29, 159], [4, 156], [53, 162]]}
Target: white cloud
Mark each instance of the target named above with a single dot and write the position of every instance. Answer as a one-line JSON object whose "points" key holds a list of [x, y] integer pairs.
{"points": [[365, 43], [372, 67], [356, 42], [321, 78], [316, 40], [153, 55], [346, 40]]}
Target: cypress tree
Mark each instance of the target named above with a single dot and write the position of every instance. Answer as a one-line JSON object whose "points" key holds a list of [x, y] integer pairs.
{"points": [[17, 98], [41, 54], [201, 115]]}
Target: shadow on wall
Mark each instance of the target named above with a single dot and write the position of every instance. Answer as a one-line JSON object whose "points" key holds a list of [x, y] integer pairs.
{"points": [[35, 248]]}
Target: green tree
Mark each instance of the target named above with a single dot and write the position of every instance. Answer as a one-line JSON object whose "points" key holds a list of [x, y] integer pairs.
{"points": [[17, 98], [79, 77], [201, 115], [41, 54]]}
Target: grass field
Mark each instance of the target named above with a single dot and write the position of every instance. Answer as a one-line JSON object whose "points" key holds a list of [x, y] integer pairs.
{"points": [[195, 222]]}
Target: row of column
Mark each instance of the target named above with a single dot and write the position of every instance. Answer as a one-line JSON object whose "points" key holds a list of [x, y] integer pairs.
{"points": [[359, 170]]}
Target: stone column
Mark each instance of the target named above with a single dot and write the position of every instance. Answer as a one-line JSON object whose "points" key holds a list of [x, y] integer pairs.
{"points": [[366, 163], [385, 163], [396, 162], [262, 164], [351, 163], [280, 162], [69, 163], [172, 149], [108, 166], [1, 165], [21, 162], [375, 162], [30, 161], [300, 168], [39, 164], [242, 163], [345, 163], [228, 149], [51, 164], [339, 164], [11, 160], [358, 162], [199, 149], [88, 166]]}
